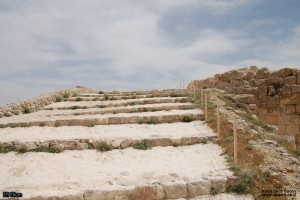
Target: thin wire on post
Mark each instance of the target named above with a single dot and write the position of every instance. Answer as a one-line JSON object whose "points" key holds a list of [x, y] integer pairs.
{"points": [[234, 141], [205, 105], [218, 120]]}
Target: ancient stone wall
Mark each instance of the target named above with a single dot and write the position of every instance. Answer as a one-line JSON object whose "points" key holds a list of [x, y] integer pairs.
{"points": [[274, 96], [38, 102]]}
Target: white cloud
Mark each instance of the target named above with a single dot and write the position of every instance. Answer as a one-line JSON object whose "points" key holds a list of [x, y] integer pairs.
{"points": [[121, 44]]}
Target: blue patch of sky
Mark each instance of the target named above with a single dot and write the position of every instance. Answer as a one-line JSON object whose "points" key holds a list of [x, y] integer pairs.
{"points": [[185, 23]]}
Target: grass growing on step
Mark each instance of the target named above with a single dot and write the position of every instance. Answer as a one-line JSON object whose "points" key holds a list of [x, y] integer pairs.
{"points": [[58, 98], [104, 146], [78, 99], [188, 118], [6, 148], [176, 95], [101, 106], [96, 99], [27, 110], [22, 150], [106, 97], [152, 120], [42, 124], [78, 107], [143, 145], [90, 146], [47, 149], [100, 92], [66, 95], [233, 103]]}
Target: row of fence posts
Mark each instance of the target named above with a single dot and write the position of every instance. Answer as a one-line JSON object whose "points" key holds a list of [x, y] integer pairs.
{"points": [[205, 100]]}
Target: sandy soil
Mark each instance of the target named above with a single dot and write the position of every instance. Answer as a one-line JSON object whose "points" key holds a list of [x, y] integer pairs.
{"points": [[73, 171], [108, 132]]}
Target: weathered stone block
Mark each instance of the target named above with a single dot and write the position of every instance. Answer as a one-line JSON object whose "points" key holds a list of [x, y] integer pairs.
{"points": [[290, 99], [298, 109], [277, 74], [81, 146], [105, 195], [272, 119], [160, 194], [287, 89], [263, 90], [274, 81], [60, 147], [291, 119], [292, 129], [235, 74], [116, 143], [261, 73], [291, 80], [287, 72], [143, 192], [281, 129], [218, 184], [295, 89], [290, 109], [174, 190], [114, 120], [198, 187], [29, 145], [125, 143]]}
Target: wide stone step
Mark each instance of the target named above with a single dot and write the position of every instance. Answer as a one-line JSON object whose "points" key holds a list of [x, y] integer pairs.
{"points": [[92, 120], [159, 173], [118, 136], [123, 109], [105, 97], [142, 92], [112, 103]]}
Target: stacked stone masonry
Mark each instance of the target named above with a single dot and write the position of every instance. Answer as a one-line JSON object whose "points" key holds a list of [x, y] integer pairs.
{"points": [[274, 96], [41, 101]]}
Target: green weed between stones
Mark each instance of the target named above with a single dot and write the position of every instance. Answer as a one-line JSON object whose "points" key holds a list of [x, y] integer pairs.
{"points": [[143, 145], [188, 118], [176, 95], [27, 110], [47, 149], [79, 99], [6, 149], [58, 99], [66, 95], [152, 121], [90, 146], [104, 146]]}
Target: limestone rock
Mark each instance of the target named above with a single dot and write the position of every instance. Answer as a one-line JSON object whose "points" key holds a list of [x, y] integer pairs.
{"points": [[218, 184], [116, 143], [159, 191], [174, 190], [125, 143], [143, 192], [198, 187]]}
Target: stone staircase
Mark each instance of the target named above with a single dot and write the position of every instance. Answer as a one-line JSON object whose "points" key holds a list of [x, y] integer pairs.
{"points": [[119, 145]]}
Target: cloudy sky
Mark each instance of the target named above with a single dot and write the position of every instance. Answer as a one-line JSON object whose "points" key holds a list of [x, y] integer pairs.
{"points": [[47, 45]]}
